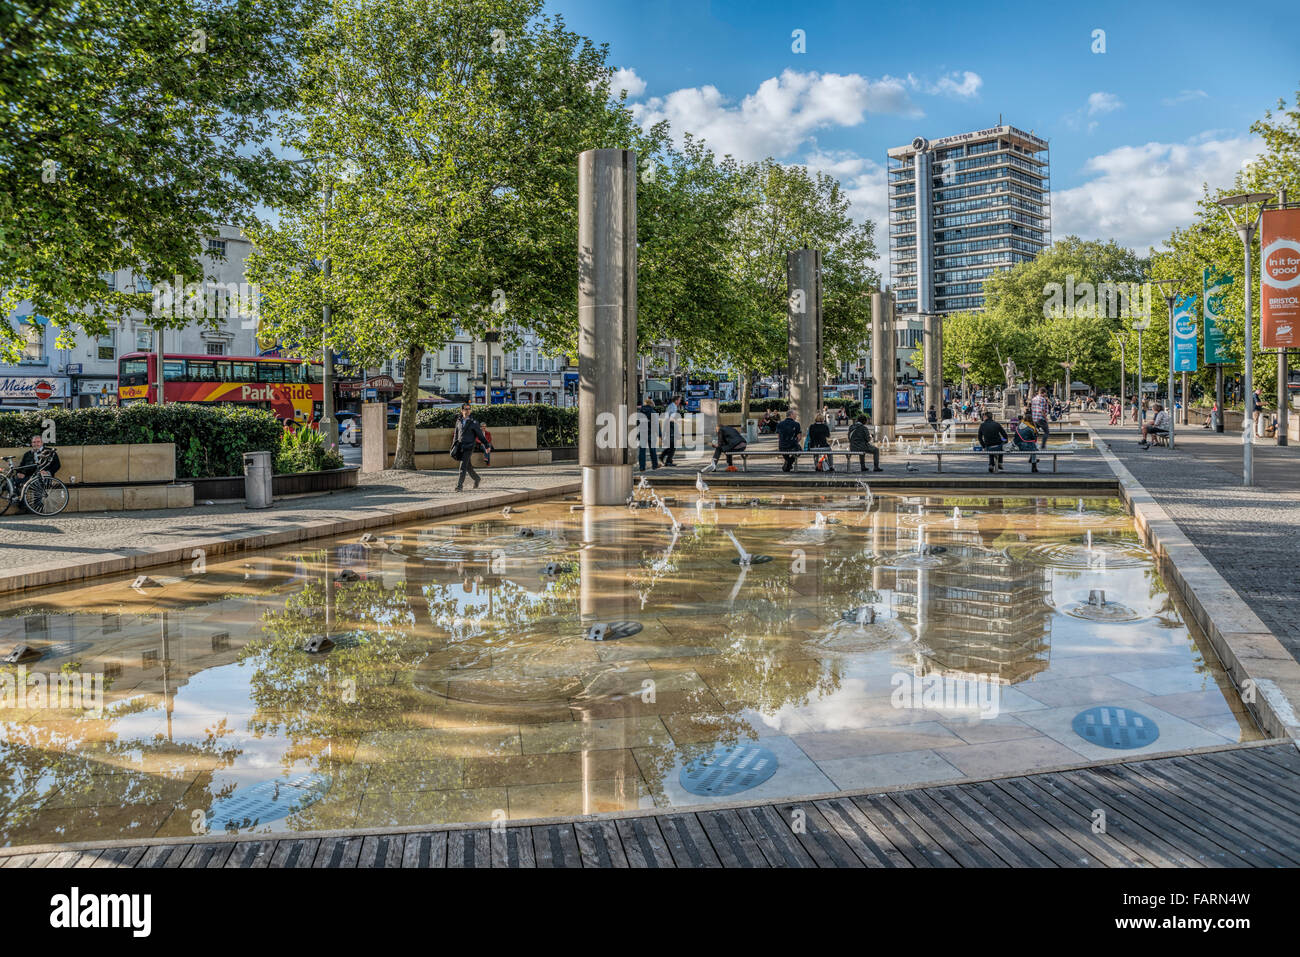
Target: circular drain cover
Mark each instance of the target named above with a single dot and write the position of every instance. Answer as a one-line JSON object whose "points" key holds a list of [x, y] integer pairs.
{"points": [[267, 801], [729, 769], [753, 559], [1117, 728]]}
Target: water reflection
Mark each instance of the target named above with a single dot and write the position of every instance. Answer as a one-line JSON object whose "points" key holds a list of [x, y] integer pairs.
{"points": [[462, 680]]}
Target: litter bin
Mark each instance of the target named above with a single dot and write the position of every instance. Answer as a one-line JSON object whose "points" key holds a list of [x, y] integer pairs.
{"points": [[257, 480], [751, 430]]}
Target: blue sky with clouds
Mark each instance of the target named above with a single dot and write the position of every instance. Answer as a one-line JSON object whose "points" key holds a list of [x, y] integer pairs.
{"points": [[1134, 131]]}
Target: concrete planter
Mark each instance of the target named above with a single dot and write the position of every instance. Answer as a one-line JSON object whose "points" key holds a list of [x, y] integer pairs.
{"points": [[151, 462], [294, 483]]}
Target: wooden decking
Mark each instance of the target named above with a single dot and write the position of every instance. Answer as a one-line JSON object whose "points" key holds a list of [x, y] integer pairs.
{"points": [[1230, 808]]}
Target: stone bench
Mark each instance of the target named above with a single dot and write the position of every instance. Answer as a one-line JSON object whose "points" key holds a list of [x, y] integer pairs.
{"points": [[1010, 453], [745, 455]]}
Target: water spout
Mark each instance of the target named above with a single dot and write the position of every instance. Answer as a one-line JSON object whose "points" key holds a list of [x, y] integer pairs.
{"points": [[745, 558], [1096, 597]]}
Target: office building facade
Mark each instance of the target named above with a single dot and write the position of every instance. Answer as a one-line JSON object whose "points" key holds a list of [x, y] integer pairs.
{"points": [[960, 209]]}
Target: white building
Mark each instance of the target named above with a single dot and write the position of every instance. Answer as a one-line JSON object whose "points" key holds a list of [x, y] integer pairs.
{"points": [[86, 374]]}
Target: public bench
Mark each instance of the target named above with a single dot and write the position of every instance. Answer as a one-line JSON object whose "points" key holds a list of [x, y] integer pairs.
{"points": [[1009, 453], [813, 453]]}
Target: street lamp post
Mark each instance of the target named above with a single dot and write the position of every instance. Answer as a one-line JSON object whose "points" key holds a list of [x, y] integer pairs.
{"points": [[1123, 374], [1246, 230], [1170, 298], [1067, 366], [328, 426], [964, 367]]}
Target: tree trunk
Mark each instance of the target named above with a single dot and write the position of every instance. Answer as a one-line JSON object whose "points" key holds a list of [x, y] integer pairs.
{"points": [[745, 377], [405, 457]]}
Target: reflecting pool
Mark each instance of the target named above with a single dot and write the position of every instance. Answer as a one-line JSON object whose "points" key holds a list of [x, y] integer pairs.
{"points": [[555, 661]]}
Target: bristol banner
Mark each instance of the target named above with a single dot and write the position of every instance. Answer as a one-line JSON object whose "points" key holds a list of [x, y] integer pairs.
{"points": [[1215, 286], [1279, 278], [1185, 334]]}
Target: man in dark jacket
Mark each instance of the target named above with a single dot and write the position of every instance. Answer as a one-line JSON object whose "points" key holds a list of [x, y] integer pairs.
{"points": [[37, 458], [788, 433], [468, 431], [647, 427], [992, 436], [860, 442], [729, 440]]}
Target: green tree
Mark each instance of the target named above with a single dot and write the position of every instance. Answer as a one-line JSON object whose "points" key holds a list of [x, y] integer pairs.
{"points": [[126, 136], [447, 134]]}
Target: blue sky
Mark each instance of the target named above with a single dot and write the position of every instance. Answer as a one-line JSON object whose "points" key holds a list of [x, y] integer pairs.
{"points": [[1134, 131]]}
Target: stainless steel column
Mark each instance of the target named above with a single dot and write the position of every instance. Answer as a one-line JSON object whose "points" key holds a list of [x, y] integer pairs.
{"points": [[932, 341], [884, 408], [803, 274], [607, 267]]}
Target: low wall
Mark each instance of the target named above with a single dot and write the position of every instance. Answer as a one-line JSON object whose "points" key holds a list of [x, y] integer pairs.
{"points": [[1231, 418], [128, 498], [111, 464], [511, 445]]}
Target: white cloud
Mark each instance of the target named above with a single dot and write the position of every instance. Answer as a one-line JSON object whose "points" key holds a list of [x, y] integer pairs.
{"points": [[963, 84], [1103, 103], [780, 115], [626, 79], [1185, 96], [1136, 195], [864, 183]]}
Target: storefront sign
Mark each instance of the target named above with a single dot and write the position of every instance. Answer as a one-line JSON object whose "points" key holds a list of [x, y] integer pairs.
{"points": [[33, 388]]}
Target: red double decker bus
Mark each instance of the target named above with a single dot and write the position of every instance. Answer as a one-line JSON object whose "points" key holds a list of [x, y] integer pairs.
{"points": [[291, 388]]}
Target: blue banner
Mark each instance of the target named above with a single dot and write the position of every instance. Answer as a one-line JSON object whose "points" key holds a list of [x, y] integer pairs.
{"points": [[1214, 286], [1185, 334]]}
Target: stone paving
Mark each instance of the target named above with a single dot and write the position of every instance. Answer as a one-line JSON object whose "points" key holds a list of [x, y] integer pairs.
{"points": [[1250, 535]]}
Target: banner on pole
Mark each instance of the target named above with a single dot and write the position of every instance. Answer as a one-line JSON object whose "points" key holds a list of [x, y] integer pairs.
{"points": [[1279, 279], [1214, 287], [1185, 334]]}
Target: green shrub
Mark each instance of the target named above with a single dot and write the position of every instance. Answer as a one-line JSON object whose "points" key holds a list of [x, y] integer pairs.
{"points": [[210, 439], [556, 426], [303, 450]]}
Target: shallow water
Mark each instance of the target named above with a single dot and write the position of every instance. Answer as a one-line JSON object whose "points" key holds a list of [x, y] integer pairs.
{"points": [[894, 642]]}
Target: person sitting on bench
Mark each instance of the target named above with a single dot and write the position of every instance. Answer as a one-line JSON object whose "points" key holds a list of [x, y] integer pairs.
{"points": [[860, 442], [729, 440], [1025, 439], [1158, 426], [819, 437], [788, 433], [992, 437]]}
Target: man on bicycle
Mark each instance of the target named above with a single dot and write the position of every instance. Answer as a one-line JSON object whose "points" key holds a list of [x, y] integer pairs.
{"points": [[37, 458]]}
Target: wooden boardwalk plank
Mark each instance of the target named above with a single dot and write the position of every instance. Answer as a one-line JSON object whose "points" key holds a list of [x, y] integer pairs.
{"points": [[860, 833], [1224, 808], [687, 841], [731, 839], [556, 846], [513, 847], [469, 848], [644, 843], [818, 838], [600, 844]]}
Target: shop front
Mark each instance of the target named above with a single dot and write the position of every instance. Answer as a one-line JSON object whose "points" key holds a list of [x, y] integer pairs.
{"points": [[35, 392], [538, 390]]}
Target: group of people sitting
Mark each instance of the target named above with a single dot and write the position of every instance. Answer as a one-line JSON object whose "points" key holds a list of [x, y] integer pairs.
{"points": [[788, 432], [993, 438]]}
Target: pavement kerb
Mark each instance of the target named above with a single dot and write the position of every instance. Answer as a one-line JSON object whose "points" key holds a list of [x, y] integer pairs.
{"points": [[60, 573], [1261, 668]]}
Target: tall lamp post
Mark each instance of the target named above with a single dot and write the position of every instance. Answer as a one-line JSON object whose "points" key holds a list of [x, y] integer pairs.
{"points": [[1170, 297], [1067, 366], [1123, 374], [1139, 325], [328, 425], [964, 367], [1246, 229]]}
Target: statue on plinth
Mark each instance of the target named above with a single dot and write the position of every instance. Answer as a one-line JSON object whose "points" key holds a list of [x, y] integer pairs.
{"points": [[1011, 396]]}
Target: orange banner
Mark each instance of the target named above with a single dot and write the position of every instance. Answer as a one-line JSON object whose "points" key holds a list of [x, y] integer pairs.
{"points": [[1279, 269]]}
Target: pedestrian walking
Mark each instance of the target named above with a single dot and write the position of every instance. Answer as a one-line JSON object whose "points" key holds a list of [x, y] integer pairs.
{"points": [[468, 432]]}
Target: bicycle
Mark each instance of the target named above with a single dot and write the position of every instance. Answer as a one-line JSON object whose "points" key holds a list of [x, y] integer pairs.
{"points": [[40, 494]]}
